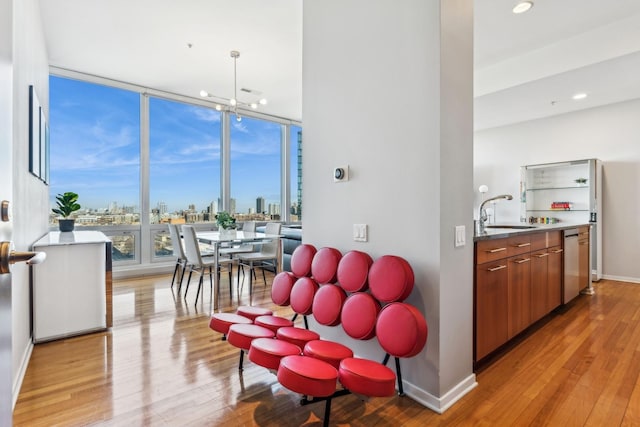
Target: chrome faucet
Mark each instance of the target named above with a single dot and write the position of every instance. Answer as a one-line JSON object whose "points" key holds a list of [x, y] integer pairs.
{"points": [[482, 216]]}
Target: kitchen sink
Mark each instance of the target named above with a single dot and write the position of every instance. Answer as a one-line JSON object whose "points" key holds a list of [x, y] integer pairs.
{"points": [[517, 227]]}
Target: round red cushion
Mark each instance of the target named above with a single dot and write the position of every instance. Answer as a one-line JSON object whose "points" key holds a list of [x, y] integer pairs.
{"points": [[251, 312], [267, 352], [401, 329], [359, 314], [241, 335], [297, 336], [273, 322], [302, 295], [301, 259], [329, 351], [391, 278], [353, 270], [327, 304], [281, 288], [367, 377], [220, 322], [325, 265], [308, 376]]}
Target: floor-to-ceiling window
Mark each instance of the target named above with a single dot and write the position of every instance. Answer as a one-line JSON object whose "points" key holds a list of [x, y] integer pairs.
{"points": [[140, 159], [95, 152]]}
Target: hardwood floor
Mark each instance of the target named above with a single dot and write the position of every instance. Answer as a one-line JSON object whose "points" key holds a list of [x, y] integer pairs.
{"points": [[161, 365]]}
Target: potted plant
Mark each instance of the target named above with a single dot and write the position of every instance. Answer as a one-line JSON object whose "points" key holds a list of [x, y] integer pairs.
{"points": [[226, 223], [67, 204]]}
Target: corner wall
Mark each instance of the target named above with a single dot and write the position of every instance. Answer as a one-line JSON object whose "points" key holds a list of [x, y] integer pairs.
{"points": [[387, 90], [30, 203], [611, 134]]}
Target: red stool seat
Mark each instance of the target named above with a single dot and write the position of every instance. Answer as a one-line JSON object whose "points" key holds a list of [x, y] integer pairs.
{"points": [[328, 351], [391, 278], [251, 312], [297, 336], [301, 259], [367, 377], [308, 376], [325, 265], [267, 352], [241, 335], [273, 322], [220, 322]]}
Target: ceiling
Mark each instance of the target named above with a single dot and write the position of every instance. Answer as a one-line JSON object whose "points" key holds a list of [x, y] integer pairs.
{"points": [[527, 66]]}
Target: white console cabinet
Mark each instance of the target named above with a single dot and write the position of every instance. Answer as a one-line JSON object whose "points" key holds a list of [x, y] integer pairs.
{"points": [[72, 288]]}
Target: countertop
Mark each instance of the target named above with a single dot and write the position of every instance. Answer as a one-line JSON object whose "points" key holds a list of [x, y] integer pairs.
{"points": [[56, 238], [498, 233]]}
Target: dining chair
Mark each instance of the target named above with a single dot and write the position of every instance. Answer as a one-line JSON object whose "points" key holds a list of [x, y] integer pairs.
{"points": [[267, 256], [238, 249], [178, 252], [200, 264]]}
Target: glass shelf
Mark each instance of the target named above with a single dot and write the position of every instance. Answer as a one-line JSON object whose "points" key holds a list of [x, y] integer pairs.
{"points": [[557, 188]]}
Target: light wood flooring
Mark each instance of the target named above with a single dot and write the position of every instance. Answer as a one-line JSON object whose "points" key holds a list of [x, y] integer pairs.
{"points": [[161, 365]]}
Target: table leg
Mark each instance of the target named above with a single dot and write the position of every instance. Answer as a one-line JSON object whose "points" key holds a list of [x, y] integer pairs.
{"points": [[216, 283]]}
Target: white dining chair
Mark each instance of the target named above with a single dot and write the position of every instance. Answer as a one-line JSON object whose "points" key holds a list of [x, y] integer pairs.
{"points": [[267, 256], [178, 252], [200, 264]]}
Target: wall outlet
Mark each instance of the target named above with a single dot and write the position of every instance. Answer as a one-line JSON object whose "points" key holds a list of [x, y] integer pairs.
{"points": [[460, 239]]}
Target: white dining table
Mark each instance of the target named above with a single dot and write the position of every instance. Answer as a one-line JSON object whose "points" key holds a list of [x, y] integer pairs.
{"points": [[219, 240]]}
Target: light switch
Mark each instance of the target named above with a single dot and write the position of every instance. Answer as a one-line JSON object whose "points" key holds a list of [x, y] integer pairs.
{"points": [[360, 232], [460, 239]]}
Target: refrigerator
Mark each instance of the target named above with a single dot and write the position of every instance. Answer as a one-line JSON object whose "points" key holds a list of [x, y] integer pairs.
{"points": [[565, 193]]}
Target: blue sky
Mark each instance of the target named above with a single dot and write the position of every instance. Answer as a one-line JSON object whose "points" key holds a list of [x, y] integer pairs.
{"points": [[95, 150]]}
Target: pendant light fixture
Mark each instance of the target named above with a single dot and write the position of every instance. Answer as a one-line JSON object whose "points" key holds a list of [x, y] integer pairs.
{"points": [[234, 103]]}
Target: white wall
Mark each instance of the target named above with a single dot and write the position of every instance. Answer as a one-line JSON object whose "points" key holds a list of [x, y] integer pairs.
{"points": [[611, 134], [387, 90], [30, 204]]}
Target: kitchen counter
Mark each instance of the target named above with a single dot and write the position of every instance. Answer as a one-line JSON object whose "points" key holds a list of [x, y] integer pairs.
{"points": [[498, 233], [56, 238]]}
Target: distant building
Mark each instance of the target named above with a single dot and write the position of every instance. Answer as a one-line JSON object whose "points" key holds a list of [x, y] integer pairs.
{"points": [[260, 205]]}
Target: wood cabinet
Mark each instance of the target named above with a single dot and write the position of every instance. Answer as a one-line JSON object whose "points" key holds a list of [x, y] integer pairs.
{"points": [[518, 280]]}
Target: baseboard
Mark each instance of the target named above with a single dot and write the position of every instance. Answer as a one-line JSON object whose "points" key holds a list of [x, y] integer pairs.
{"points": [[24, 363], [440, 404], [621, 278]]}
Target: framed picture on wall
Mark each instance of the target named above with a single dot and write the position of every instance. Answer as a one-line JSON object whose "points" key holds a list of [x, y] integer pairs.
{"points": [[34, 133], [44, 147]]}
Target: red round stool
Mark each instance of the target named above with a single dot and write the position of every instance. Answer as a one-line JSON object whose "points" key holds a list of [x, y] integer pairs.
{"points": [[301, 259], [359, 315], [281, 288], [220, 322], [325, 265], [251, 312], [307, 376], [327, 304], [241, 336], [297, 336], [391, 278], [302, 295], [328, 351], [353, 271], [267, 352], [273, 322]]}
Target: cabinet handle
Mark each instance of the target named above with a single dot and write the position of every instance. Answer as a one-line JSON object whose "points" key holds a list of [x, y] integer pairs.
{"points": [[493, 251], [521, 261], [500, 267], [557, 251], [542, 255], [522, 245], [584, 243]]}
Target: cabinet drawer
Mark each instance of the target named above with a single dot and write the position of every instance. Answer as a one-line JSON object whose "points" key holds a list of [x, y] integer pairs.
{"points": [[554, 238], [490, 250], [518, 245], [538, 241]]}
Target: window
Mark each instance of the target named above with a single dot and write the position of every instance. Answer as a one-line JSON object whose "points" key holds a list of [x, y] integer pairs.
{"points": [[255, 169], [184, 158], [95, 151]]}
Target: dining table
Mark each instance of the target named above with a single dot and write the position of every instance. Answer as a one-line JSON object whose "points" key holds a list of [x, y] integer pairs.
{"points": [[226, 239]]}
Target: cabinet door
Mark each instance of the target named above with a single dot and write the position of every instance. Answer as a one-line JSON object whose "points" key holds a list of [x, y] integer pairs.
{"points": [[554, 278], [491, 307], [539, 289], [519, 294]]}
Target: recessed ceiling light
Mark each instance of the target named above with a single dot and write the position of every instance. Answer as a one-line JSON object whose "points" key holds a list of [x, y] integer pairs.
{"points": [[579, 96], [522, 7]]}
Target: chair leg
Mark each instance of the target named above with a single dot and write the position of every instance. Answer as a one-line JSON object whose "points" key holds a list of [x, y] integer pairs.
{"points": [[327, 413], [199, 287], [264, 277], [188, 282], [183, 268], [240, 368], [175, 271]]}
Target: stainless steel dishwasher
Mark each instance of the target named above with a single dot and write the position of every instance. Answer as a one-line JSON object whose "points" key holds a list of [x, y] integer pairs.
{"points": [[571, 262]]}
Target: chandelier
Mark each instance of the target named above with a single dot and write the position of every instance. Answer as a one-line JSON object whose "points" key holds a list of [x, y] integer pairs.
{"points": [[234, 103]]}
